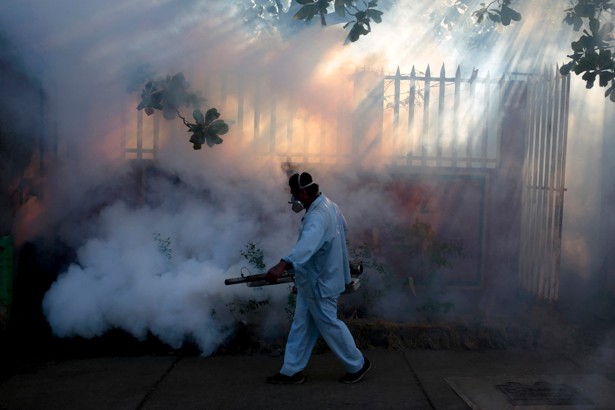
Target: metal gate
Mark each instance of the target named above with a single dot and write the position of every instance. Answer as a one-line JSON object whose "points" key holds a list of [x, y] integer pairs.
{"points": [[543, 183], [444, 122]]}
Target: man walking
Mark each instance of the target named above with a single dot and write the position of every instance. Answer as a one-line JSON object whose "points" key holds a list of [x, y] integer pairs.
{"points": [[321, 266]]}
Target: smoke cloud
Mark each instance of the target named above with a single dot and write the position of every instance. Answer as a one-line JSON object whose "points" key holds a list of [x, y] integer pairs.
{"points": [[155, 261]]}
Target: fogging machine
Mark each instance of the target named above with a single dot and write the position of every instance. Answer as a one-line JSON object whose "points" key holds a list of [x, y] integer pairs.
{"points": [[260, 279]]}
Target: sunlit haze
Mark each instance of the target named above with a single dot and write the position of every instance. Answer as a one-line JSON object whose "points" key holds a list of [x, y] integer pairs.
{"points": [[211, 203]]}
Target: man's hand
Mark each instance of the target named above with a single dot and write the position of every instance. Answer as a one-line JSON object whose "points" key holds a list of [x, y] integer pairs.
{"points": [[277, 271]]}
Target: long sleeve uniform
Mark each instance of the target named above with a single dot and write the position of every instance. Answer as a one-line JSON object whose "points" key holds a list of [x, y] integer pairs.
{"points": [[320, 256]]}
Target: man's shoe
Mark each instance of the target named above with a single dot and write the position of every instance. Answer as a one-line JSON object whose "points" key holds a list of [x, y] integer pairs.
{"points": [[280, 378], [350, 378]]}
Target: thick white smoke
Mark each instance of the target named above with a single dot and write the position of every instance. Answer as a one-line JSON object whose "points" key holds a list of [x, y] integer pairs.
{"points": [[161, 269]]}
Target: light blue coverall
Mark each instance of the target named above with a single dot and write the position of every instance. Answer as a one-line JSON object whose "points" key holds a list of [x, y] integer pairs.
{"points": [[320, 262]]}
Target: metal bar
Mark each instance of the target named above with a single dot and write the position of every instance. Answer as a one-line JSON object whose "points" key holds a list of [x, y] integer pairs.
{"points": [[123, 133], [304, 151], [290, 127], [532, 242], [257, 113], [223, 89], [396, 98], [395, 140], [470, 139], [139, 133], [456, 113], [240, 103], [526, 260], [142, 150], [485, 124], [439, 128], [425, 116], [542, 282], [549, 174], [565, 101], [411, 104], [273, 123], [156, 136]]}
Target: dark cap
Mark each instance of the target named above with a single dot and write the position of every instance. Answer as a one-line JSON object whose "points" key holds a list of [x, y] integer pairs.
{"points": [[299, 181]]}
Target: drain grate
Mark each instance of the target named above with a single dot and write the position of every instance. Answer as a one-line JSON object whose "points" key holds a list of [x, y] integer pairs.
{"points": [[542, 393]]}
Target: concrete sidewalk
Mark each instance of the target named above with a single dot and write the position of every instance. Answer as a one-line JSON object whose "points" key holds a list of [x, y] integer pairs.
{"points": [[399, 379]]}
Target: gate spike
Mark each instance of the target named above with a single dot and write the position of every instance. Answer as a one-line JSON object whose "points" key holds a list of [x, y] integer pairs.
{"points": [[474, 74]]}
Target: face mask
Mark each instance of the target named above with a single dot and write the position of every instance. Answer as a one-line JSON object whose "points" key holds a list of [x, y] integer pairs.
{"points": [[297, 205]]}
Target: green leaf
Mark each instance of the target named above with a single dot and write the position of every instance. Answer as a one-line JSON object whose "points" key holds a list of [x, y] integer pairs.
{"points": [[213, 140], [594, 25], [577, 23], [198, 116], [306, 12], [211, 115], [606, 77], [507, 15], [565, 69], [340, 8], [589, 62], [323, 5], [480, 14], [610, 92], [375, 15], [198, 139], [361, 15], [494, 16], [605, 59], [590, 78], [605, 30], [581, 44], [356, 31], [585, 10], [218, 127]]}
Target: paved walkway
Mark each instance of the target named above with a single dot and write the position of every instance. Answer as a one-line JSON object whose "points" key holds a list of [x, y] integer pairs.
{"points": [[399, 379]]}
